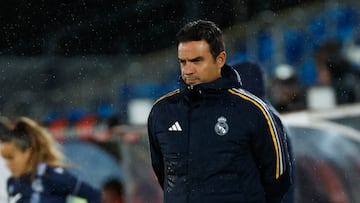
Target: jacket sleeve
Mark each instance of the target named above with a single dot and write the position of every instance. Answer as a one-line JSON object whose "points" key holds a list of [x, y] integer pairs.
{"points": [[87, 192], [155, 152], [68, 184], [272, 156]]}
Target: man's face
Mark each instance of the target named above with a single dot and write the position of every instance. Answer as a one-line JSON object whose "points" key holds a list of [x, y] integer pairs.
{"points": [[197, 64]]}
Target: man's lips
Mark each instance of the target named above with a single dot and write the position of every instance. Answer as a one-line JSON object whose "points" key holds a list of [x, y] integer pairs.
{"points": [[191, 80]]}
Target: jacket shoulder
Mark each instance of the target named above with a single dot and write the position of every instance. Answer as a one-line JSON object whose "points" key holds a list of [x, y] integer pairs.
{"points": [[250, 98], [167, 96]]}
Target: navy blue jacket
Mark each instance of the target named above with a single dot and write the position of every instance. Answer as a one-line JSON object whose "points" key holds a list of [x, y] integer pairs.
{"points": [[217, 143], [50, 185]]}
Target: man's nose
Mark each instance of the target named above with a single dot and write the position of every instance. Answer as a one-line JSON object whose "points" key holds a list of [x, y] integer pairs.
{"points": [[187, 69]]}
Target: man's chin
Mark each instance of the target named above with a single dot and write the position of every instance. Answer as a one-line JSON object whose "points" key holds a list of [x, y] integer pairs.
{"points": [[191, 82]]}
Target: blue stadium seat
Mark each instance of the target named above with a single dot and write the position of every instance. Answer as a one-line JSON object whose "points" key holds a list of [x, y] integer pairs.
{"points": [[294, 45]]}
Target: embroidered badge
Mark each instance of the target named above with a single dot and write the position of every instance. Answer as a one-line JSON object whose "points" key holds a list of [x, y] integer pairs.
{"points": [[37, 185], [221, 127]]}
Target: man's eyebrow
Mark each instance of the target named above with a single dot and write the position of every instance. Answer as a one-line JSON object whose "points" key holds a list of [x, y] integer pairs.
{"points": [[193, 59], [199, 58]]}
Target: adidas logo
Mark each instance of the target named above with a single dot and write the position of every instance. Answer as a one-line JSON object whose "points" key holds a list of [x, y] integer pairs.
{"points": [[175, 127]]}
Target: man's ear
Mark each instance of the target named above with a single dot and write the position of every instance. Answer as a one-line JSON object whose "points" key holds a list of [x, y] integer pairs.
{"points": [[221, 59]]}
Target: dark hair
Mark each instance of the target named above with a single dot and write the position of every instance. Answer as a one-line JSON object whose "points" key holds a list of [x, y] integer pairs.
{"points": [[18, 136], [203, 30], [252, 77], [115, 185]]}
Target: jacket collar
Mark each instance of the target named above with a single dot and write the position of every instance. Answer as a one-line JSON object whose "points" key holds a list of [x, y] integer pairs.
{"points": [[229, 79]]}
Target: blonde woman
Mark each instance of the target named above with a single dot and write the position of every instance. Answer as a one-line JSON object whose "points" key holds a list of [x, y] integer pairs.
{"points": [[38, 173]]}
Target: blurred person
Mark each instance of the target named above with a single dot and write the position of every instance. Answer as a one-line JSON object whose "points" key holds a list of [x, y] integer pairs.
{"points": [[335, 71], [285, 92], [128, 133], [210, 140], [5, 126], [5, 174], [112, 191], [253, 80], [37, 167], [135, 159]]}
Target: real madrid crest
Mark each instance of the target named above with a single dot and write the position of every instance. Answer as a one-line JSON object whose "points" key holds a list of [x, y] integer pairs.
{"points": [[221, 127]]}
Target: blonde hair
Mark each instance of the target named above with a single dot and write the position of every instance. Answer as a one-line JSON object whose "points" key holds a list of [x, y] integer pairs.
{"points": [[43, 147]]}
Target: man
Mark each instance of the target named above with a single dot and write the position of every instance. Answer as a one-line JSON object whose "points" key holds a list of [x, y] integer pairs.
{"points": [[211, 141]]}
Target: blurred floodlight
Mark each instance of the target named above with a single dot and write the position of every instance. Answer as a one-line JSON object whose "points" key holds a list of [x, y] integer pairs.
{"points": [[353, 54], [321, 97], [138, 111], [284, 71]]}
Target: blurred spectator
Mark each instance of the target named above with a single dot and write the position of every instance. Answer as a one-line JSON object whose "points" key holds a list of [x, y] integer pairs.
{"points": [[252, 77], [143, 187], [285, 91], [5, 174], [5, 125], [335, 71], [128, 133], [36, 165], [112, 191]]}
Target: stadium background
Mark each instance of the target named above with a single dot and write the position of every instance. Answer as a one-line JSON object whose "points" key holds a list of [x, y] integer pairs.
{"points": [[75, 65], [75, 56]]}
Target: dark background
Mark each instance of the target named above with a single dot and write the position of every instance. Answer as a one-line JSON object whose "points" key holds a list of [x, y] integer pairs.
{"points": [[81, 27]]}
